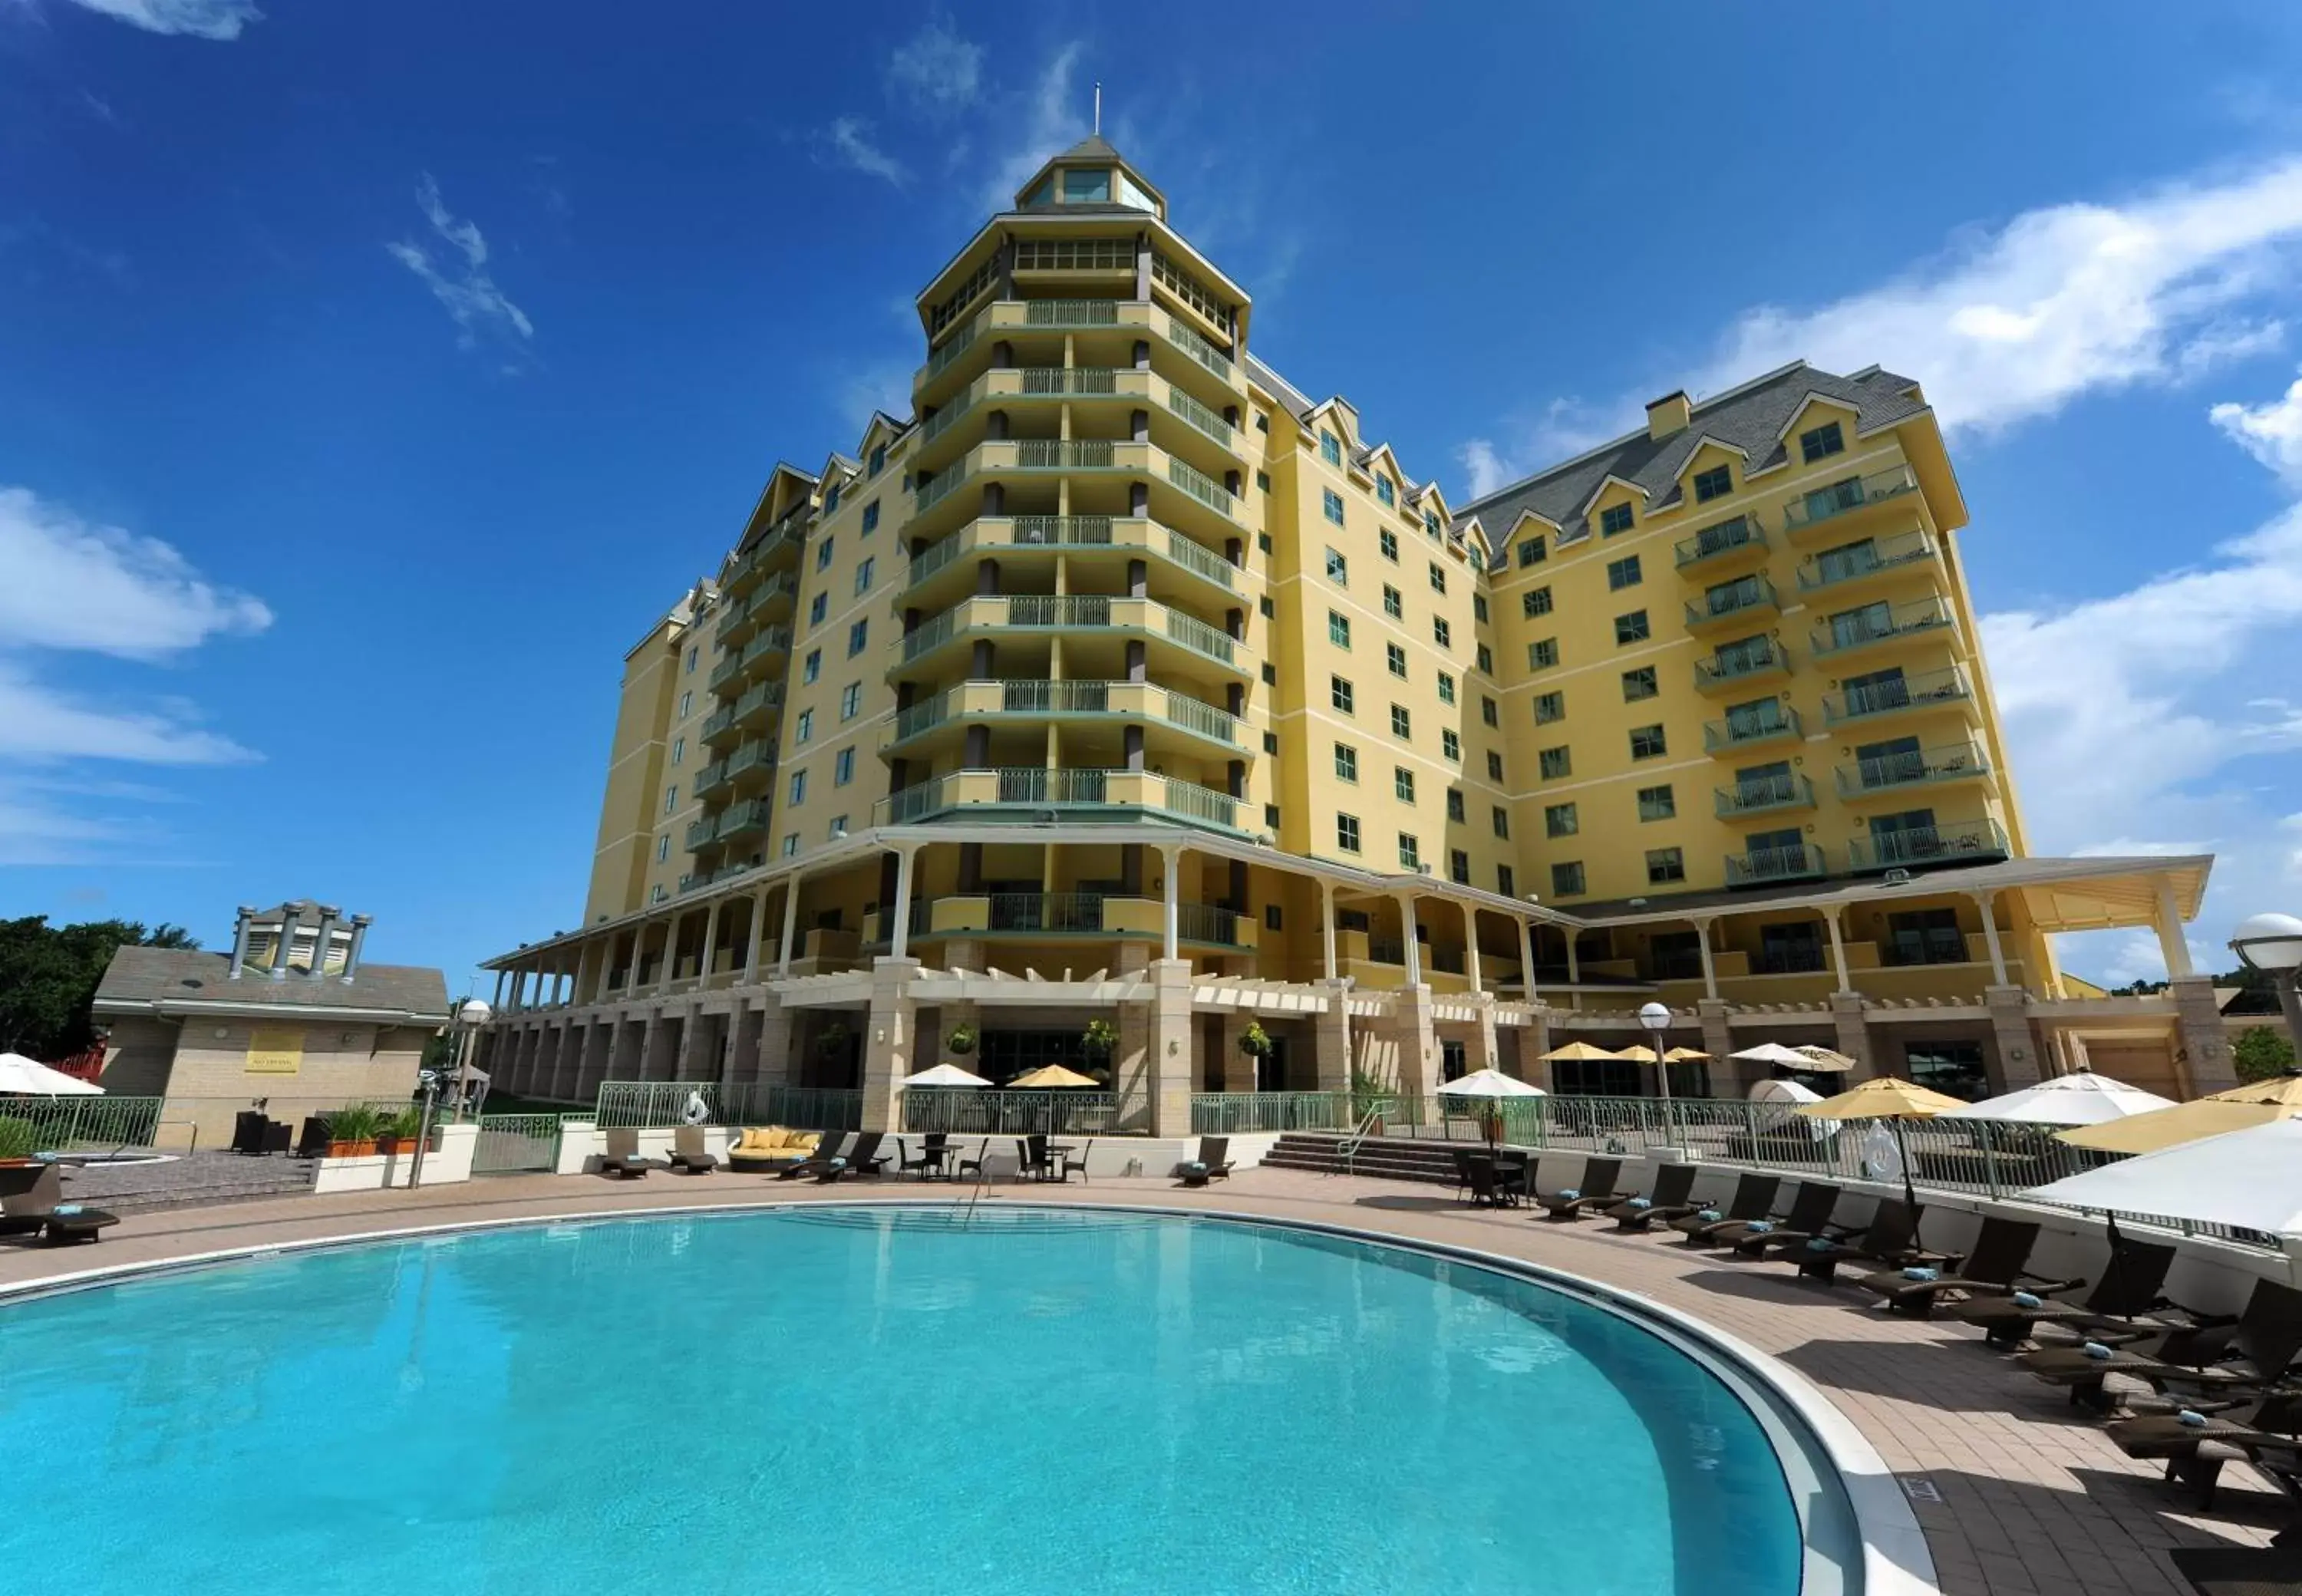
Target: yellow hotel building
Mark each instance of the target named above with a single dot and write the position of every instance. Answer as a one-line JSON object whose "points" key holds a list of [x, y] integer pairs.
{"points": [[1123, 680]]}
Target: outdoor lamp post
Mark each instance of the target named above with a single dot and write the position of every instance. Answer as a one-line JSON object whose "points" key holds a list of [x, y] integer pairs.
{"points": [[1655, 1018], [2272, 944], [469, 1017], [472, 1015]]}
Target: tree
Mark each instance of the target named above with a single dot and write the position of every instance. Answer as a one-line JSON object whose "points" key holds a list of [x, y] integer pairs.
{"points": [[49, 975], [2261, 1053]]}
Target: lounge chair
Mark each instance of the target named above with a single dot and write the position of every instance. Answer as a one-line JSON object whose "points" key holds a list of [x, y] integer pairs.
{"points": [[1994, 1268], [622, 1160], [2240, 1570], [863, 1157], [1672, 1189], [1753, 1200], [1596, 1192], [760, 1150], [2196, 1445], [76, 1222], [2247, 1353], [1890, 1238], [2128, 1286], [689, 1155], [1809, 1212], [31, 1203], [1212, 1163], [827, 1148]]}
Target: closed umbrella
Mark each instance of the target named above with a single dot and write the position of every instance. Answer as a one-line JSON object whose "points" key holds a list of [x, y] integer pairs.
{"points": [[2082, 1098], [1490, 1084], [2257, 1103], [1789, 1095], [2250, 1179], [1896, 1101], [30, 1078]]}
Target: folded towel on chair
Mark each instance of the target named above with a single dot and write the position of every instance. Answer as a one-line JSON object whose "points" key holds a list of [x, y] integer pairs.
{"points": [[2025, 1299], [1759, 1227], [1569, 1195], [2190, 1419], [67, 1210], [1919, 1272], [1640, 1203], [2095, 1350], [1710, 1216], [1819, 1244]]}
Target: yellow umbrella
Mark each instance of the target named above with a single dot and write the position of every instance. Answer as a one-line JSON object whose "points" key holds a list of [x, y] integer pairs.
{"points": [[1582, 1053], [1049, 1076], [2184, 1121], [2279, 1088], [1644, 1054], [1888, 1097]]}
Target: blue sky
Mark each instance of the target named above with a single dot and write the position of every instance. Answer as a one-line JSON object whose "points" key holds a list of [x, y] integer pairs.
{"points": [[371, 376]]}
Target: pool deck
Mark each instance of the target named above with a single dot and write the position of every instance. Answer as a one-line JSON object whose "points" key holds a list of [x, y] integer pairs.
{"points": [[2016, 1492]]}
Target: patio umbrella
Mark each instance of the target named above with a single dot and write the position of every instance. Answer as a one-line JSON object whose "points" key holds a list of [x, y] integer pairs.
{"points": [[2249, 1179], [942, 1075], [2258, 1103], [2082, 1098], [1897, 1101], [1645, 1054], [1490, 1084], [1050, 1078], [1791, 1094], [30, 1078], [1580, 1052], [1823, 1058], [1775, 1055]]}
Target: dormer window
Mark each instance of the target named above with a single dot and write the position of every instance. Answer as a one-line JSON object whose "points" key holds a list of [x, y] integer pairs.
{"points": [[1615, 518], [1385, 492], [1714, 484], [1086, 187], [1821, 441], [1330, 449]]}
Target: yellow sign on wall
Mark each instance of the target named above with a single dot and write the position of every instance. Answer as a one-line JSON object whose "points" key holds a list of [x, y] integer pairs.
{"points": [[275, 1052]]}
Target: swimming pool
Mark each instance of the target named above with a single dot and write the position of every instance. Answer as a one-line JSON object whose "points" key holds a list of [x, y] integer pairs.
{"points": [[1045, 1399]]}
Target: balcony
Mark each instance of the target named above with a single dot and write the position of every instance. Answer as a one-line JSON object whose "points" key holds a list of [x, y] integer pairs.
{"points": [[1861, 631], [1763, 795], [775, 597], [1946, 843], [1059, 914], [1123, 537], [1772, 723], [978, 702], [757, 706], [735, 620], [700, 834], [1038, 793], [1869, 563], [1741, 665], [1018, 321], [725, 671], [1728, 546], [763, 656], [1919, 768], [1072, 614], [1199, 349], [1748, 602], [1928, 691], [711, 779], [1842, 499], [742, 820], [719, 726], [752, 764], [1764, 867]]}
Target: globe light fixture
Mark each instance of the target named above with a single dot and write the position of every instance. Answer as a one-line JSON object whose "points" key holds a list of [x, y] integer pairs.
{"points": [[2272, 944]]}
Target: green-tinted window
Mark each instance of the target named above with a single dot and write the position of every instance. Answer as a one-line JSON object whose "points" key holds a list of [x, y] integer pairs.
{"points": [[1714, 484], [1615, 518]]}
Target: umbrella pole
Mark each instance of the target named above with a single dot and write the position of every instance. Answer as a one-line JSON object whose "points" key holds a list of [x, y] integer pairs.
{"points": [[1910, 1188]]}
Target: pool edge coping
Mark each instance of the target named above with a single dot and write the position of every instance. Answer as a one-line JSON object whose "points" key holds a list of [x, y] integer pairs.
{"points": [[1896, 1560]]}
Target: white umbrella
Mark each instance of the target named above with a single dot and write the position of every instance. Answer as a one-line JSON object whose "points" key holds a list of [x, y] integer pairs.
{"points": [[29, 1076], [943, 1075], [1490, 1084], [2249, 1179], [1777, 1054], [2082, 1098], [1822, 1058], [1790, 1093]]}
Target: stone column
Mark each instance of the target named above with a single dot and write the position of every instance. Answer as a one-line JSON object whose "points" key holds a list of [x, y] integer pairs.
{"points": [[742, 1049], [1413, 1033], [687, 1064], [1334, 1039], [2017, 1050], [1486, 1050], [1850, 1013], [1718, 1041], [889, 1041], [712, 914], [2205, 1061], [791, 925], [1526, 959], [655, 1045], [1168, 1046], [1234, 1069], [771, 1062]]}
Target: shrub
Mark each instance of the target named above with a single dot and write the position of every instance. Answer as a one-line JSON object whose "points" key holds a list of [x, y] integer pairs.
{"points": [[2261, 1053], [19, 1139], [355, 1121], [961, 1040], [1099, 1039], [1255, 1041]]}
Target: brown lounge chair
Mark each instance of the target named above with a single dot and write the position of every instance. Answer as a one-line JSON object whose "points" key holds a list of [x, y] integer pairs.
{"points": [[1890, 1238], [1669, 1200], [1754, 1198], [1596, 1192], [1809, 1216], [622, 1160], [31, 1203], [2196, 1448], [1994, 1268], [2128, 1286], [689, 1155], [2211, 1356], [2240, 1570], [1212, 1163]]}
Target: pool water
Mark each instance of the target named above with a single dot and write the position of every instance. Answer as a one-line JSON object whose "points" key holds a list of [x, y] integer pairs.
{"points": [[874, 1398]]}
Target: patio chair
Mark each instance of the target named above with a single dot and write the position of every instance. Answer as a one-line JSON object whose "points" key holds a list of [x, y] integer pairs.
{"points": [[1514, 1174], [974, 1166], [2203, 1357], [1809, 1212], [1462, 1158], [1213, 1162], [1486, 1190], [312, 1139], [827, 1149], [905, 1164], [1031, 1156], [1890, 1238], [1753, 1200], [1672, 1189], [689, 1155], [1596, 1192], [2128, 1286], [622, 1160], [1075, 1164], [1994, 1268]]}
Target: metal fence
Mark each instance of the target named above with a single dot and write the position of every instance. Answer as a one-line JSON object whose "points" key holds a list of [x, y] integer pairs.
{"points": [[643, 1103], [82, 1123], [975, 1111], [516, 1143]]}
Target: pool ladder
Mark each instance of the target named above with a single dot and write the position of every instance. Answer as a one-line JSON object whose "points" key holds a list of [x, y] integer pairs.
{"points": [[1357, 1138]]}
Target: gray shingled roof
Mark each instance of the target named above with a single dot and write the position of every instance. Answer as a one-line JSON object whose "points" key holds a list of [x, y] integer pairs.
{"points": [[1750, 418], [138, 977]]}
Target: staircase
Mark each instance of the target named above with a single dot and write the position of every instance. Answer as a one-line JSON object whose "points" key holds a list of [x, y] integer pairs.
{"points": [[192, 1180], [1391, 1158]]}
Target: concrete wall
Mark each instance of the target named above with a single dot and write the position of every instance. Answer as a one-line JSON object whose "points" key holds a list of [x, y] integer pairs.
{"points": [[202, 1068]]}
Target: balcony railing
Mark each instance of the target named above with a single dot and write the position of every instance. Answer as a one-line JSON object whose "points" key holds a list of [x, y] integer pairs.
{"points": [[1739, 599], [1034, 786], [750, 815], [1200, 417], [1825, 503], [930, 635], [1946, 842], [751, 756], [1918, 766], [1765, 792], [725, 671], [1074, 378], [711, 778], [1049, 531], [1862, 628], [1743, 532], [1205, 719], [1931, 689], [981, 698], [719, 720], [1054, 698], [1737, 731], [1070, 313], [1201, 560], [1869, 557], [1202, 487], [1058, 609], [1062, 454], [1198, 349], [1757, 658], [1046, 911], [699, 833], [943, 420], [1194, 633], [940, 486], [950, 349], [1793, 861], [1080, 611]]}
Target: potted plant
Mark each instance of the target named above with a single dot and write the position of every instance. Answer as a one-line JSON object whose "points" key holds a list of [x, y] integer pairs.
{"points": [[19, 1140], [352, 1131], [399, 1132], [961, 1040], [1099, 1037], [831, 1041], [1255, 1041]]}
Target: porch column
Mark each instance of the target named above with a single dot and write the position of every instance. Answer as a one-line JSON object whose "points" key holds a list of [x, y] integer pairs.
{"points": [[2171, 940], [1985, 902], [1838, 949], [900, 937], [1527, 957], [1471, 955], [757, 937], [671, 954], [1414, 952], [1327, 925], [498, 1003], [711, 912], [1173, 858], [631, 970], [791, 924], [1709, 971], [1573, 969]]}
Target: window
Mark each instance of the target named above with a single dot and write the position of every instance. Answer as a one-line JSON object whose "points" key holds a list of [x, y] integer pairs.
{"points": [[1402, 784], [804, 729], [663, 848], [1639, 684], [1821, 443], [1714, 484], [1438, 577], [843, 767], [1266, 609], [656, 893], [1532, 552], [1454, 804], [1567, 879], [1339, 694], [1555, 763], [1506, 883], [1271, 919], [671, 798], [1925, 936], [817, 608], [1338, 628], [1494, 765], [1271, 816], [1396, 658], [872, 518], [1543, 654], [1339, 569], [1331, 503], [1270, 673], [810, 668], [1549, 707], [1394, 603], [1262, 478], [1647, 743], [679, 751], [686, 703], [1270, 742], [823, 548], [1263, 542], [878, 462], [1388, 541], [1501, 817], [798, 788], [831, 500], [1486, 660], [1459, 867], [1535, 601], [693, 652], [857, 635], [1330, 448], [1347, 833], [1623, 573], [1479, 608], [1446, 688], [837, 828], [1559, 819], [1347, 762], [1631, 628], [1614, 519], [863, 576], [1489, 715], [1385, 492], [1952, 1068], [791, 843], [1451, 743], [1402, 723], [1442, 632], [1430, 526], [1089, 187], [851, 701], [1410, 852], [1666, 865], [1658, 803]]}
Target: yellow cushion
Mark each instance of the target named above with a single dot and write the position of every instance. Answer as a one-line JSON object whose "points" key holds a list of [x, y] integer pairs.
{"points": [[759, 1139], [804, 1141]]}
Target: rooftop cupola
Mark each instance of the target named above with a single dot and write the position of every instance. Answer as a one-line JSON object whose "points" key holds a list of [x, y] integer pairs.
{"points": [[1090, 176], [1669, 413]]}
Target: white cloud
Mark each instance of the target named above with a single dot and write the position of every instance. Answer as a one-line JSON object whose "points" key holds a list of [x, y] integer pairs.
{"points": [[42, 723], [936, 70], [847, 142], [467, 291], [1487, 469], [2271, 432], [877, 385], [74, 584], [200, 19], [1050, 124]]}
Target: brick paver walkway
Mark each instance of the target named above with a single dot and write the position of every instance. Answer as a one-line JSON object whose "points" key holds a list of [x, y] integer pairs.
{"points": [[2018, 1493]]}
